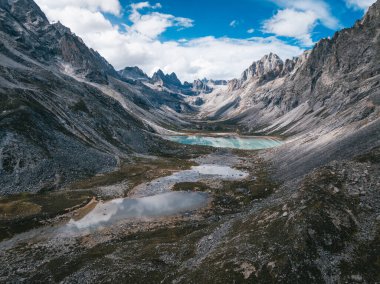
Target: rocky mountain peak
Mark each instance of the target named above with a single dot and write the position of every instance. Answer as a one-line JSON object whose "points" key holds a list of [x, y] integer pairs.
{"points": [[269, 64], [166, 79], [159, 73], [174, 79], [133, 73], [266, 69]]}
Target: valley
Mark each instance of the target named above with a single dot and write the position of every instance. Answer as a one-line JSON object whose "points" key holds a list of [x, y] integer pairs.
{"points": [[115, 176]]}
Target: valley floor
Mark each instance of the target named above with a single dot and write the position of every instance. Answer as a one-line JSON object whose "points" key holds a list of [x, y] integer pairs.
{"points": [[323, 227]]}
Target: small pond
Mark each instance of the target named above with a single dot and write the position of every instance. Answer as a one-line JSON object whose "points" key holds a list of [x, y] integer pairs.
{"points": [[165, 204]]}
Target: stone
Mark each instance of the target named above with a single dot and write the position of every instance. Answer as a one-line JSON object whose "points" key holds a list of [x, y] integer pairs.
{"points": [[335, 190], [357, 278]]}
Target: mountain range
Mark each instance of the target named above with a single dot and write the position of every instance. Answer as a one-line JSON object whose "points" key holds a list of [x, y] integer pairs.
{"points": [[69, 119]]}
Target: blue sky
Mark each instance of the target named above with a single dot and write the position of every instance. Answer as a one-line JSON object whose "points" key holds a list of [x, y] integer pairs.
{"points": [[213, 17], [202, 38]]}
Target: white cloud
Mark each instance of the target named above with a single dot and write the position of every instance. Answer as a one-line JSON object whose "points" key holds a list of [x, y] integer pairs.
{"points": [[251, 31], [319, 7], [138, 44], [297, 19], [234, 23], [109, 6], [360, 4], [292, 23], [153, 24]]}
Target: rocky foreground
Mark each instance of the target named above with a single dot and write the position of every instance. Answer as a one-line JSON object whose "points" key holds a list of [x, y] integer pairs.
{"points": [[324, 227]]}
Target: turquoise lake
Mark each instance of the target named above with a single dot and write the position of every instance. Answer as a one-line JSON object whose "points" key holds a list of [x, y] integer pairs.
{"points": [[234, 142]]}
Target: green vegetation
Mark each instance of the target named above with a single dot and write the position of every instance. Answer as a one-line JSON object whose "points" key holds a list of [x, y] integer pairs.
{"points": [[141, 170], [22, 212]]}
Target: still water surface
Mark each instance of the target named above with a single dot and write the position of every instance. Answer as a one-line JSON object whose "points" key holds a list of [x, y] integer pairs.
{"points": [[234, 142]]}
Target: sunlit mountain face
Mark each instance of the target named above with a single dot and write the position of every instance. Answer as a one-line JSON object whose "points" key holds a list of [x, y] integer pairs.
{"points": [[195, 38]]}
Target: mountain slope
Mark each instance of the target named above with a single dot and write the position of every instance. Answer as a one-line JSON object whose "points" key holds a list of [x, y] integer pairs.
{"points": [[334, 76], [326, 98], [58, 121]]}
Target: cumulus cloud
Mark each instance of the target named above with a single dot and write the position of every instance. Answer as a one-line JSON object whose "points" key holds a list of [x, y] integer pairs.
{"points": [[360, 4], [139, 44], [154, 24], [292, 23], [251, 31], [297, 19], [109, 6]]}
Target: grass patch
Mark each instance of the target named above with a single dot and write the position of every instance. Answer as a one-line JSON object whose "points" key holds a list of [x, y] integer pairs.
{"points": [[22, 212], [136, 173]]}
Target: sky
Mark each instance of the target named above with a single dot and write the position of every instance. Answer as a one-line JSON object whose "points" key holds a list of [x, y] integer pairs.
{"points": [[214, 39]]}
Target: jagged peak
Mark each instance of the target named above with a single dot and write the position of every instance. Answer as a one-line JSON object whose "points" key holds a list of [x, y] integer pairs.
{"points": [[270, 63], [133, 68], [168, 79], [159, 72], [269, 57], [134, 73], [173, 76]]}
